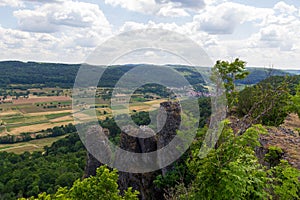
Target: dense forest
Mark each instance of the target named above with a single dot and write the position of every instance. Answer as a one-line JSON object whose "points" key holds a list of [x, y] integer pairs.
{"points": [[29, 174], [20, 75]]}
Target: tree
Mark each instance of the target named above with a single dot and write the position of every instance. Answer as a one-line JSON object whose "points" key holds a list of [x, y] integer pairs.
{"points": [[266, 103], [102, 186], [286, 184], [296, 101], [230, 73], [231, 171]]}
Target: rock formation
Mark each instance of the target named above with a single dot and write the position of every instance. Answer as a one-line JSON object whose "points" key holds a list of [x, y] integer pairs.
{"points": [[92, 140], [168, 121]]}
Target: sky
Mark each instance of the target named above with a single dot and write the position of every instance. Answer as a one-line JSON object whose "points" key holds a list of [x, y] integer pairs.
{"points": [[263, 33]]}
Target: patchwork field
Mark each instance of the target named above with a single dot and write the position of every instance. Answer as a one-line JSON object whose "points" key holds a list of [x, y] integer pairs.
{"points": [[37, 99], [34, 114]]}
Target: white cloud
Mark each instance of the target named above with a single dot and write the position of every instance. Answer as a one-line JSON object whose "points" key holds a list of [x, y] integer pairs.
{"points": [[129, 26], [51, 17], [20, 45], [202, 38], [276, 37], [225, 17], [270, 35], [34, 21], [144, 6], [166, 8], [282, 7], [281, 30], [194, 4], [11, 3], [170, 11], [58, 30], [65, 31]]}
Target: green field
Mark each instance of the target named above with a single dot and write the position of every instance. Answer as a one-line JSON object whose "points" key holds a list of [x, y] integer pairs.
{"points": [[31, 146], [37, 113], [58, 115]]}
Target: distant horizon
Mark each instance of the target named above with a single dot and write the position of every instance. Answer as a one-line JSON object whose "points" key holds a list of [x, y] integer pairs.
{"points": [[181, 64]]}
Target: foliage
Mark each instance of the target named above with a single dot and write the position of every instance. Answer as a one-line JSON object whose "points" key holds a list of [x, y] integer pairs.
{"points": [[37, 74], [180, 174], [231, 171], [286, 184], [205, 110], [20, 75], [230, 73], [102, 186], [266, 103], [293, 81], [175, 180], [274, 155], [296, 101], [28, 174], [141, 118]]}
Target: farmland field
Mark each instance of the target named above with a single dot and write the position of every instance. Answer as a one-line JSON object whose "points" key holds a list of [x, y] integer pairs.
{"points": [[36, 113], [34, 145]]}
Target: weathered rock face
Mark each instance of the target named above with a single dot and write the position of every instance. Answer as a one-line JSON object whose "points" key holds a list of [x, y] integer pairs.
{"points": [[141, 182], [92, 140], [286, 139], [168, 123], [91, 165]]}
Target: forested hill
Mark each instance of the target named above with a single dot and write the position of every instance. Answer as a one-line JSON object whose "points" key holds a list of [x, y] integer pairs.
{"points": [[39, 74], [27, 74], [259, 74], [297, 72]]}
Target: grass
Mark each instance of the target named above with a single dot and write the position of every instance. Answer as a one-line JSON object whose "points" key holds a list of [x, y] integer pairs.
{"points": [[37, 127], [57, 115], [118, 107], [23, 119], [26, 123], [31, 146], [5, 147], [2, 128]]}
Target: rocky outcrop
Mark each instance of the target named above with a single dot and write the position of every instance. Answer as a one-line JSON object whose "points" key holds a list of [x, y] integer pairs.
{"points": [[168, 122], [92, 140], [133, 143], [286, 137], [91, 165]]}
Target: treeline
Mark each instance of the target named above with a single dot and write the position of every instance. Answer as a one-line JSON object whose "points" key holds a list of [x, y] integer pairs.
{"points": [[50, 132], [20, 75], [30, 174], [26, 75], [257, 75]]}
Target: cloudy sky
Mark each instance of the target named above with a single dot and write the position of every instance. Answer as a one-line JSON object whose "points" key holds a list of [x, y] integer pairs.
{"points": [[263, 33]]}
